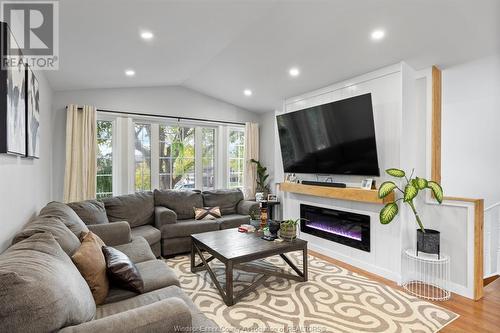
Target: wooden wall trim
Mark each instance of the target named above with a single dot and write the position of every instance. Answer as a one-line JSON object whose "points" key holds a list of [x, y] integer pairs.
{"points": [[436, 125], [436, 176]]}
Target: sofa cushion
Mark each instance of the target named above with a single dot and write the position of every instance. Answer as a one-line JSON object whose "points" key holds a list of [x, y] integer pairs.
{"points": [[150, 233], [185, 228], [227, 200], [199, 320], [233, 221], [67, 215], [40, 288], [156, 274], [122, 271], [138, 250], [53, 225], [137, 209], [90, 261], [90, 211], [181, 202]]}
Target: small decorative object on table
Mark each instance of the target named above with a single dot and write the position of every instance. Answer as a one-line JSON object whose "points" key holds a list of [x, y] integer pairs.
{"points": [[259, 196], [263, 217], [246, 228], [255, 217], [272, 197], [291, 178], [288, 230], [427, 239]]}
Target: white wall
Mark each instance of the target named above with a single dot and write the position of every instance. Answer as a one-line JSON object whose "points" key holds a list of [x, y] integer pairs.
{"points": [[26, 184], [174, 101], [267, 144], [470, 130]]}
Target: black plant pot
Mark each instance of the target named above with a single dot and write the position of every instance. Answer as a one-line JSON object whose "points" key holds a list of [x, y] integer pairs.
{"points": [[274, 226], [428, 242]]}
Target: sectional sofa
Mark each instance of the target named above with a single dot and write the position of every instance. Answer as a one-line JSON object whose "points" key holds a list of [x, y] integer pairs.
{"points": [[166, 218], [41, 289]]}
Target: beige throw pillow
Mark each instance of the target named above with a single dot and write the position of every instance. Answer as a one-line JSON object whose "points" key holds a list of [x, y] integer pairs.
{"points": [[207, 213], [91, 263]]}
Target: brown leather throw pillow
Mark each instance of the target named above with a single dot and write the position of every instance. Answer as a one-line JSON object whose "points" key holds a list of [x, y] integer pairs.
{"points": [[207, 213], [122, 271], [92, 266]]}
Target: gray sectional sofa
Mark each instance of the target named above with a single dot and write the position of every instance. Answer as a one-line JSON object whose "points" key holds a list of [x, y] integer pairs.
{"points": [[41, 289], [166, 218]]}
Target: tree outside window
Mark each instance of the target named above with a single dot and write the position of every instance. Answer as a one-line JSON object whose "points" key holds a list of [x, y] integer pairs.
{"points": [[236, 157], [142, 157], [104, 179]]}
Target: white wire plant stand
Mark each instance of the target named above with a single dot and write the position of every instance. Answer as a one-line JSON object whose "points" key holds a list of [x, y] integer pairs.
{"points": [[426, 276]]}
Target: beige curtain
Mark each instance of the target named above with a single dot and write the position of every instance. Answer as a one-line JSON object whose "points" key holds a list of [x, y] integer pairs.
{"points": [[81, 146], [251, 152]]}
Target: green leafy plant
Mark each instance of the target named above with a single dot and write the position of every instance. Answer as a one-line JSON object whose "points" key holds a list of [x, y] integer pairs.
{"points": [[411, 190], [262, 176], [290, 223], [254, 214]]}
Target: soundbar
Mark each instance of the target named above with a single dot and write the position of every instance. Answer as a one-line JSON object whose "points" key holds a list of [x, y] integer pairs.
{"points": [[328, 184]]}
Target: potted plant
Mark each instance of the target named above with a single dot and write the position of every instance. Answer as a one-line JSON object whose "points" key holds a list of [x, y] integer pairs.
{"points": [[262, 176], [255, 217], [288, 229], [427, 239]]}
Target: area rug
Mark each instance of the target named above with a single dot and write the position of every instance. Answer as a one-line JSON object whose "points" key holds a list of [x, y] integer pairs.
{"points": [[333, 300]]}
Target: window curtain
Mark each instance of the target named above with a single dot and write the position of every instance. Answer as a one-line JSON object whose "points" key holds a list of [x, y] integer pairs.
{"points": [[251, 152], [81, 149]]}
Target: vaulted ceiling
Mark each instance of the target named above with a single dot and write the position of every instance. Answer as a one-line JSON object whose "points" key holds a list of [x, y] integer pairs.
{"points": [[221, 48]]}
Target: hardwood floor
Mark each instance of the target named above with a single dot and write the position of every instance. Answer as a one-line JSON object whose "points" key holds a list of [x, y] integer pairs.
{"points": [[475, 316]]}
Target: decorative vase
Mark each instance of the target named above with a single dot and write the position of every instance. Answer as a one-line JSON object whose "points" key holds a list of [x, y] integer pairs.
{"points": [[428, 242], [288, 232], [263, 217]]}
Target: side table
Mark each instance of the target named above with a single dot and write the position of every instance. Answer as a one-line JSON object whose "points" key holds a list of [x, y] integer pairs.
{"points": [[426, 275]]}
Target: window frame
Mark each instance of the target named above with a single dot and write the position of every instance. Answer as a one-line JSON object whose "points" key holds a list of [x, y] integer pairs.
{"points": [[228, 158]]}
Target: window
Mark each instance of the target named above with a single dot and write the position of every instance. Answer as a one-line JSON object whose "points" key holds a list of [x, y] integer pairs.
{"points": [[104, 181], [236, 157], [142, 156], [177, 157], [208, 158]]}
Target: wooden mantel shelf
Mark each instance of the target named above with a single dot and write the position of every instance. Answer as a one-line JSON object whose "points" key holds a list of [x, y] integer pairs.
{"points": [[349, 194]]}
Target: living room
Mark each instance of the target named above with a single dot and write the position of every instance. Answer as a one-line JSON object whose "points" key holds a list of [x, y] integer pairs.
{"points": [[257, 166]]}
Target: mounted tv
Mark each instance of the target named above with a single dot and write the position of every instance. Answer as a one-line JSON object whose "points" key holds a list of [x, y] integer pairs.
{"points": [[333, 138]]}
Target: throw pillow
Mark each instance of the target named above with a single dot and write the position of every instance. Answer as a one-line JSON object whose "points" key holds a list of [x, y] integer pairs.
{"points": [[90, 211], [122, 270], [207, 213], [91, 263]]}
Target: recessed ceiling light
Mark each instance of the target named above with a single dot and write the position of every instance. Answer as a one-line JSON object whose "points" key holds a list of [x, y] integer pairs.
{"points": [[378, 34], [147, 35], [130, 72], [247, 92], [294, 71]]}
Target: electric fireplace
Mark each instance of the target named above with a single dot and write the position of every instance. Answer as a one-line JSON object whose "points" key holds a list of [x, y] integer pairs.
{"points": [[346, 228]]}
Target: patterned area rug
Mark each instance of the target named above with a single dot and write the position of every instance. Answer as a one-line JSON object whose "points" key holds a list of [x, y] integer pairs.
{"points": [[333, 300]]}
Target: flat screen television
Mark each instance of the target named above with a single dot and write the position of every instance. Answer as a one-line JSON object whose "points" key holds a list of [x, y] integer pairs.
{"points": [[333, 138]]}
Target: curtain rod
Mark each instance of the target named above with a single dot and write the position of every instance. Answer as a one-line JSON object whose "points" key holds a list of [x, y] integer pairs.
{"points": [[169, 117]]}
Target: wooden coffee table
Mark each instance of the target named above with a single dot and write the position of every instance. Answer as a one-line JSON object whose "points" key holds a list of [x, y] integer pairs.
{"points": [[236, 250]]}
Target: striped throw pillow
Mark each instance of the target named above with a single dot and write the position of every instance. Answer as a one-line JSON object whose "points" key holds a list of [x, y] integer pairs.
{"points": [[207, 213]]}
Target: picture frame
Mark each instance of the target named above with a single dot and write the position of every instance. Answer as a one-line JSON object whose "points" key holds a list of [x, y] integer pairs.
{"points": [[32, 115], [12, 95], [366, 184], [272, 197]]}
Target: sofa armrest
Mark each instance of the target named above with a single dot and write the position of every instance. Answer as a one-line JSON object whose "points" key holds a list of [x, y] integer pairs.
{"points": [[163, 216], [244, 207], [168, 315], [112, 234]]}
